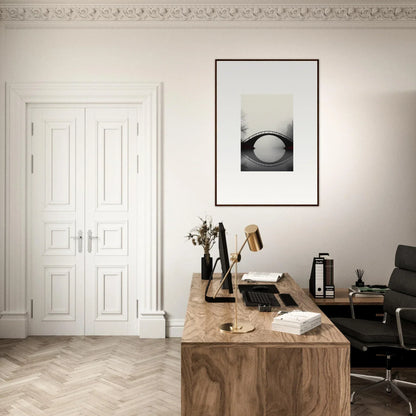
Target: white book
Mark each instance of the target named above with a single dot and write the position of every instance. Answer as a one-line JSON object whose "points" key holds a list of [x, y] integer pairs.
{"points": [[297, 325], [296, 322], [262, 277], [294, 330], [360, 294], [297, 316]]}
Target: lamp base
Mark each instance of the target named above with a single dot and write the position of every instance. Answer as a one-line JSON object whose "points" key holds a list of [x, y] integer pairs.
{"points": [[242, 328]]}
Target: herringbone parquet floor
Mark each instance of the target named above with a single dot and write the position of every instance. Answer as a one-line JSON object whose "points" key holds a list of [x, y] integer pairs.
{"points": [[89, 376], [117, 376]]}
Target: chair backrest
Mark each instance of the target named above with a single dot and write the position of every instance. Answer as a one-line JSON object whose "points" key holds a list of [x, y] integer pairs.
{"points": [[402, 284]]}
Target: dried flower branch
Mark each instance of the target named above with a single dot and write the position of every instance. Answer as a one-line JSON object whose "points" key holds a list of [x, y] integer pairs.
{"points": [[204, 235], [359, 273]]}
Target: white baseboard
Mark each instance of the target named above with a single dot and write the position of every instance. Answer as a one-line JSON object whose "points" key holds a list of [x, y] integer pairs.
{"points": [[175, 328], [152, 324], [13, 325]]}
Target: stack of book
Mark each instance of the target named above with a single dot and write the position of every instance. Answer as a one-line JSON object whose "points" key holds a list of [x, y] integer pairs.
{"points": [[296, 322], [369, 289], [321, 282]]}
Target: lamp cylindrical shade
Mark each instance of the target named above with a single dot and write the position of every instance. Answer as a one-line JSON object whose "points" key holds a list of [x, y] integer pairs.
{"points": [[254, 238]]}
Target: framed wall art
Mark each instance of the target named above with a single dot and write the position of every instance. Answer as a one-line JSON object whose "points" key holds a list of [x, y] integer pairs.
{"points": [[267, 132]]}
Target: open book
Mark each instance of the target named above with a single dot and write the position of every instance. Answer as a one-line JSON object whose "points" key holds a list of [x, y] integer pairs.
{"points": [[262, 277]]}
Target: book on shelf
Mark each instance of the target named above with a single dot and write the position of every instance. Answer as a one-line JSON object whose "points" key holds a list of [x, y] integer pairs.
{"points": [[373, 289], [321, 281], [296, 322]]}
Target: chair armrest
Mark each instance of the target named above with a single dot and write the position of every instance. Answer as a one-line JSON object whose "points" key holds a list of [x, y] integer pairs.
{"points": [[400, 330], [353, 293]]}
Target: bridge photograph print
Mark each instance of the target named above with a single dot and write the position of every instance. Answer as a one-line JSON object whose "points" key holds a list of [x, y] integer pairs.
{"points": [[266, 132]]}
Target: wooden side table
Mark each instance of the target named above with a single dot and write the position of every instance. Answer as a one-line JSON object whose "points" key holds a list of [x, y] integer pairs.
{"points": [[341, 298], [366, 307]]}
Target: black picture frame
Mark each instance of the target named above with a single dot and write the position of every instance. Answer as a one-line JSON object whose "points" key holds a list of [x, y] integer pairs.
{"points": [[280, 83]]}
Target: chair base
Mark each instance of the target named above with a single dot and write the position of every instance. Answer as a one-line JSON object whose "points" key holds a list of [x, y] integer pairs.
{"points": [[391, 385]]}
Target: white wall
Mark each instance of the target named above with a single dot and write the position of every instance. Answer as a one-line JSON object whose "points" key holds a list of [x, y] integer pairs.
{"points": [[367, 135]]}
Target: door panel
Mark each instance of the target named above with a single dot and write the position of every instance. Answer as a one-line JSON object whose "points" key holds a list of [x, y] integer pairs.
{"points": [[55, 214], [112, 163], [84, 183], [59, 293], [111, 221], [58, 238], [112, 238], [112, 284], [60, 165]]}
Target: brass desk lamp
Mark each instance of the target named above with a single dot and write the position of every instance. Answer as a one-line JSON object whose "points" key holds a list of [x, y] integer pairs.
{"points": [[253, 239]]}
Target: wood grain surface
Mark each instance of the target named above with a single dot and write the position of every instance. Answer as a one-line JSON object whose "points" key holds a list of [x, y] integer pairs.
{"points": [[265, 372], [203, 319]]}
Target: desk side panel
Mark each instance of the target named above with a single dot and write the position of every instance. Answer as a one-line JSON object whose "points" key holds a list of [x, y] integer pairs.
{"points": [[264, 380], [218, 380], [283, 386], [308, 381], [326, 381]]}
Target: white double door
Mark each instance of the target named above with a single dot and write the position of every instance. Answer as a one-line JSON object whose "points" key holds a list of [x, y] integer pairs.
{"points": [[83, 219]]}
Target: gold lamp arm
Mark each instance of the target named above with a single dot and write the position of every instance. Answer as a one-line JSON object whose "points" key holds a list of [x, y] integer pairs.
{"points": [[255, 244], [231, 266]]}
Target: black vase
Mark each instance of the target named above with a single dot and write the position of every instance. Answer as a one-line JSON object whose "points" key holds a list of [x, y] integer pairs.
{"points": [[359, 283], [206, 267]]}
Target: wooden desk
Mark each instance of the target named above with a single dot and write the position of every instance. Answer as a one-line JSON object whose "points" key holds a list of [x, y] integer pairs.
{"points": [[265, 372]]}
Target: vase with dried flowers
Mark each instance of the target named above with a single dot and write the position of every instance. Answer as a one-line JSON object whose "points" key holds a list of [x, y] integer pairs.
{"points": [[204, 235], [359, 273]]}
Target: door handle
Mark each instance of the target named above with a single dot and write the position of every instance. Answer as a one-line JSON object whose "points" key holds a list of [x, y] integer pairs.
{"points": [[79, 238], [90, 237]]}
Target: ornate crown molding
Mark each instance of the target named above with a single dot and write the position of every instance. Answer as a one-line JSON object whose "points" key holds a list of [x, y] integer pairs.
{"points": [[207, 13]]}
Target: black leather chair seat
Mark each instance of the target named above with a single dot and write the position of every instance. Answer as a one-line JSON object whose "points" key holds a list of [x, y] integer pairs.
{"points": [[368, 331], [375, 332]]}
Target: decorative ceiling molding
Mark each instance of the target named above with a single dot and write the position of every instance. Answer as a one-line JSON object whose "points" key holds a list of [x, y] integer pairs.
{"points": [[208, 13]]}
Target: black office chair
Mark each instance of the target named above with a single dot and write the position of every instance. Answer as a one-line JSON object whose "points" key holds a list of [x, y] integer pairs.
{"points": [[398, 329]]}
